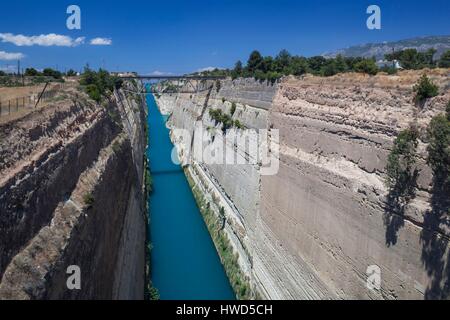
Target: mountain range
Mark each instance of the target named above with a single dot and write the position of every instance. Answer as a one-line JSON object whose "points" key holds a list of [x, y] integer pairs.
{"points": [[378, 50]]}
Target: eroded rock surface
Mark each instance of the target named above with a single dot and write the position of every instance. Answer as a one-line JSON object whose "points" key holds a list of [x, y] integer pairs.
{"points": [[312, 230], [71, 193]]}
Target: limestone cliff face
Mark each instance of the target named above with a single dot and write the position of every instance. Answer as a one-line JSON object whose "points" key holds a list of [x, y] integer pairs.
{"points": [[312, 230], [331, 213], [235, 189], [71, 193]]}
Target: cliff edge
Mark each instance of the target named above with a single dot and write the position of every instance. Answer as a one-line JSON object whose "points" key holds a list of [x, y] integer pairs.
{"points": [[72, 194]]}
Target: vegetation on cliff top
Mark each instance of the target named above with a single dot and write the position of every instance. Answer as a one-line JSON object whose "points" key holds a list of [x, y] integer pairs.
{"points": [[414, 60], [284, 64], [425, 88], [33, 77], [99, 85], [89, 200], [47, 72]]}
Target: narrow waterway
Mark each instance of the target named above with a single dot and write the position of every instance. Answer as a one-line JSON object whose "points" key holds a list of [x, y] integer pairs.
{"points": [[185, 263]]}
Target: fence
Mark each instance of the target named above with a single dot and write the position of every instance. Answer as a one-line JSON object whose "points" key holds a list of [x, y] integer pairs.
{"points": [[17, 104]]}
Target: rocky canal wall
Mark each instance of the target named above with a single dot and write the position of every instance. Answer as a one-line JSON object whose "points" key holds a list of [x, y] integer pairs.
{"points": [[315, 228], [72, 194]]}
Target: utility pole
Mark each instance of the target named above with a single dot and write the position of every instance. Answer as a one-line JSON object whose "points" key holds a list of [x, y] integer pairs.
{"points": [[393, 56], [18, 67]]}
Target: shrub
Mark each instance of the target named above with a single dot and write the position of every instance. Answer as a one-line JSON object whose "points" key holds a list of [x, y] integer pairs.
{"points": [[154, 293], [439, 146], [99, 84], [367, 66], [329, 69], [93, 92], [71, 73], [425, 88], [412, 59], [225, 119], [216, 114], [48, 72], [89, 200], [148, 180], [218, 85], [116, 146], [233, 108], [227, 122], [31, 72], [400, 168], [389, 70], [238, 124]]}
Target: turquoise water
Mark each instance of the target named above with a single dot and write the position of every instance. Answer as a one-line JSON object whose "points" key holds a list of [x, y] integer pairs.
{"points": [[185, 263]]}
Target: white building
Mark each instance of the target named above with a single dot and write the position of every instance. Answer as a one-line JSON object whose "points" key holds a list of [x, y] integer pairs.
{"points": [[388, 64]]}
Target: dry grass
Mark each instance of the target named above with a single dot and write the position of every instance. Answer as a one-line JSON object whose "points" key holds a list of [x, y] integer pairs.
{"points": [[11, 93], [404, 79]]}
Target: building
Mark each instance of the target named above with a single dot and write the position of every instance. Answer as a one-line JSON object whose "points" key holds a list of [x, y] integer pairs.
{"points": [[389, 64]]}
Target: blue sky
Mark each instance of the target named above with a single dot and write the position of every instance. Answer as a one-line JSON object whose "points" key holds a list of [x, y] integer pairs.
{"points": [[183, 36]]}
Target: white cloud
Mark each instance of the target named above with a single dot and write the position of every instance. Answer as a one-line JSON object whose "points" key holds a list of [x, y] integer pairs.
{"points": [[45, 40], [11, 56], [101, 42]]}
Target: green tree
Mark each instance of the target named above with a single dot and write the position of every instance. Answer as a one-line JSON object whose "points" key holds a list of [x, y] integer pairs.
{"points": [[233, 108], [299, 66], [400, 168], [444, 62], [254, 61], [425, 88], [341, 65], [238, 67], [282, 62], [267, 65], [238, 70], [71, 73], [412, 59], [439, 146], [99, 84], [366, 66], [93, 92], [316, 64], [428, 58], [48, 72], [329, 69], [31, 72]]}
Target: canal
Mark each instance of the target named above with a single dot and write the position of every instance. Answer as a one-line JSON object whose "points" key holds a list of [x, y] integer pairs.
{"points": [[184, 261]]}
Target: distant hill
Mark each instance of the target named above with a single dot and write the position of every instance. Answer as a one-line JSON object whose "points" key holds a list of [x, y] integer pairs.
{"points": [[440, 43]]}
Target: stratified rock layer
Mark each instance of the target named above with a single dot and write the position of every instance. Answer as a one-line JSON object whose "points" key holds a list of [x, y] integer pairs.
{"points": [[320, 226], [71, 191]]}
